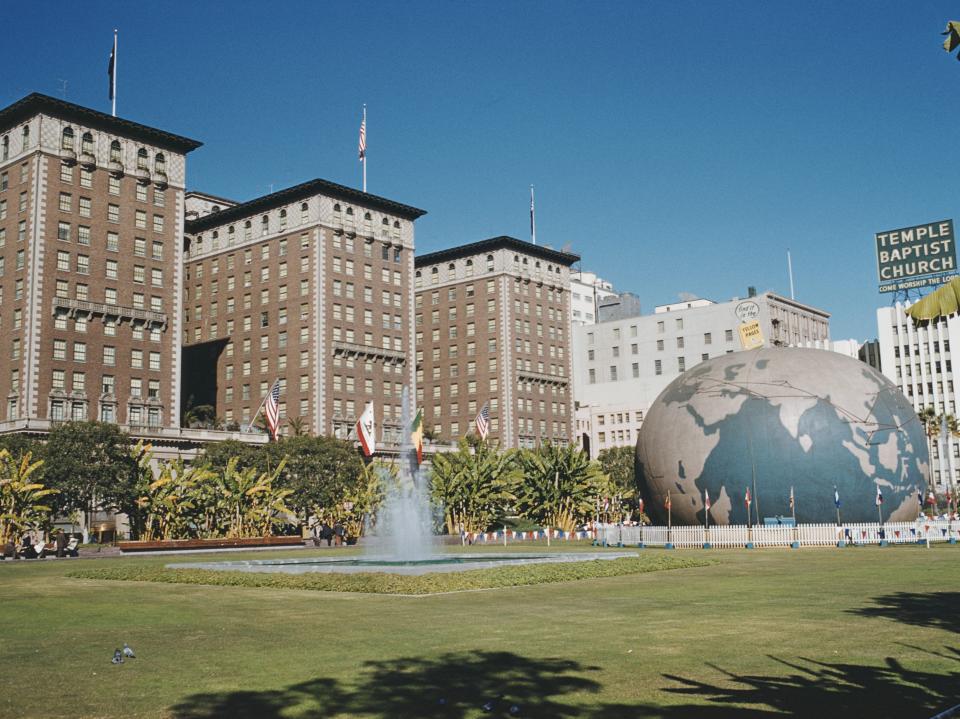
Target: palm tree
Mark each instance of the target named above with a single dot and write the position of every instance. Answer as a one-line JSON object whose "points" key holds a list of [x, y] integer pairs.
{"points": [[298, 427], [928, 418], [560, 486]]}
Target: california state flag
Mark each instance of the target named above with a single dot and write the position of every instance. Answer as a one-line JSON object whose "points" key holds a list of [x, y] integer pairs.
{"points": [[367, 430]]}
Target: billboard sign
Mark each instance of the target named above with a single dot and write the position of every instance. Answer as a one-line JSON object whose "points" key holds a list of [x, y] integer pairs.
{"points": [[751, 336], [916, 256]]}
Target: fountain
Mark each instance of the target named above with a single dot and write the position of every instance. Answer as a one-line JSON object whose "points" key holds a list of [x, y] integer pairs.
{"points": [[400, 540], [403, 530]]}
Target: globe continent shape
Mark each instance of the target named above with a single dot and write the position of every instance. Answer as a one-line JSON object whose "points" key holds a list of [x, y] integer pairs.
{"points": [[773, 419]]}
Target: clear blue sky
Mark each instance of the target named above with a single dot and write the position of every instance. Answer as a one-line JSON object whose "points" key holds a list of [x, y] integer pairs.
{"points": [[677, 146]]}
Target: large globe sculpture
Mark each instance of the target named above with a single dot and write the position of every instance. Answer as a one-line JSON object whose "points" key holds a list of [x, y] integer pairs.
{"points": [[771, 419]]}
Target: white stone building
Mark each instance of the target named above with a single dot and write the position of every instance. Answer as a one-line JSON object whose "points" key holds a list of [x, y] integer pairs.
{"points": [[586, 292], [917, 359], [620, 367]]}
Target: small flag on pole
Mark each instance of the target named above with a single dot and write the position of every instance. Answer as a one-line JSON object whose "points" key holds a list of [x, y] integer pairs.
{"points": [[920, 499], [482, 421], [791, 499], [706, 500], [272, 410], [836, 498], [367, 431], [111, 67], [879, 496], [931, 499], [746, 499], [362, 144], [640, 505], [416, 435], [667, 502]]}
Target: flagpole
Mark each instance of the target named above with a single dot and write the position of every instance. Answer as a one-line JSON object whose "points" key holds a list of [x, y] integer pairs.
{"points": [[669, 519], [706, 517], [364, 148], [114, 78], [260, 408]]}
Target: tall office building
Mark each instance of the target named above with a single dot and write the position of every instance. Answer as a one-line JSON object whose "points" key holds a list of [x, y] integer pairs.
{"points": [[621, 366], [492, 325], [91, 230], [310, 286], [917, 358]]}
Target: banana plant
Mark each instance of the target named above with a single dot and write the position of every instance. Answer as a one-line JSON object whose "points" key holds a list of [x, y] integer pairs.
{"points": [[22, 503], [475, 485]]}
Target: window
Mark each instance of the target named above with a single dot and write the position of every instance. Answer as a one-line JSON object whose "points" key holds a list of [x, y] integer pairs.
{"points": [[140, 219], [79, 351], [63, 260], [158, 223], [66, 202], [707, 338], [113, 213], [66, 139], [85, 207], [113, 242], [657, 367], [681, 364], [83, 235], [110, 356], [115, 151]]}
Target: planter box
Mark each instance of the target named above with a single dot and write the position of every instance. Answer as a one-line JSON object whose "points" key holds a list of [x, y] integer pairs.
{"points": [[174, 544]]}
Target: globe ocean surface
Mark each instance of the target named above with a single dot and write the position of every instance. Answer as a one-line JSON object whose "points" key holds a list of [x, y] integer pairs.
{"points": [[773, 419]]}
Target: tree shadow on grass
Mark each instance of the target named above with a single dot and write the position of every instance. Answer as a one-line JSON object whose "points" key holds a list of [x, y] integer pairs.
{"points": [[810, 688], [501, 684], [451, 686], [923, 609]]}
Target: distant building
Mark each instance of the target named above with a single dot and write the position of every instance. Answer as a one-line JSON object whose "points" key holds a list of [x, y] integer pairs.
{"points": [[622, 365], [917, 358], [618, 307], [492, 326], [587, 291]]}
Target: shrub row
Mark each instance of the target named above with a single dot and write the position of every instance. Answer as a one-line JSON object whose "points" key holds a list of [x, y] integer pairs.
{"points": [[381, 583]]}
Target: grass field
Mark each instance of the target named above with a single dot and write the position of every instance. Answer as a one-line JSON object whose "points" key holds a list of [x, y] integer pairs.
{"points": [[858, 632]]}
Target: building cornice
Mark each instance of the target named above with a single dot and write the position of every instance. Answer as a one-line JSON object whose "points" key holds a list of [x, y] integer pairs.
{"points": [[302, 192], [37, 103], [497, 243]]}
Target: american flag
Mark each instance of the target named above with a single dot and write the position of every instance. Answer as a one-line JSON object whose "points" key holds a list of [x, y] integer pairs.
{"points": [[272, 410], [362, 147], [483, 421]]}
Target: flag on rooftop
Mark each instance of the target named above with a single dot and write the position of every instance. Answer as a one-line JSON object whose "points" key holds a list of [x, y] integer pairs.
{"points": [[362, 144], [416, 435], [482, 421], [367, 430], [112, 68], [272, 410]]}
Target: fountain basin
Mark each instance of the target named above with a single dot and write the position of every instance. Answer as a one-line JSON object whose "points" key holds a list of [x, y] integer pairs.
{"points": [[429, 565]]}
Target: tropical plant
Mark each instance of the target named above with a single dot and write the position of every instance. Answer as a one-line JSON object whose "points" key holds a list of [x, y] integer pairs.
{"points": [[363, 497], [173, 506], [252, 504], [474, 485], [560, 486], [931, 427], [202, 416], [618, 464], [22, 501]]}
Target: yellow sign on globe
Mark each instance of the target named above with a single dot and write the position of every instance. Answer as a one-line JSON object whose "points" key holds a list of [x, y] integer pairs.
{"points": [[751, 336]]}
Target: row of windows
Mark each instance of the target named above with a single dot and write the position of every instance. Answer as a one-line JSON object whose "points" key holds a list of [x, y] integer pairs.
{"points": [[452, 292], [109, 357], [108, 384], [76, 410], [5, 142], [85, 209], [87, 147], [114, 185], [82, 266], [5, 176], [138, 331]]}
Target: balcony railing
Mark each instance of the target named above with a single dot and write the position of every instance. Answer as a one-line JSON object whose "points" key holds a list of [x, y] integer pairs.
{"points": [[350, 348], [119, 311]]}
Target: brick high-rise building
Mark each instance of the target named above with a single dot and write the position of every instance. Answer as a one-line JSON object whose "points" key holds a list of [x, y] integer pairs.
{"points": [[311, 286], [91, 231], [493, 326]]}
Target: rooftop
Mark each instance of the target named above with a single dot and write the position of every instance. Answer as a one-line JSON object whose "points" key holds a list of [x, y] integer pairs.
{"points": [[36, 103], [302, 192], [497, 243]]}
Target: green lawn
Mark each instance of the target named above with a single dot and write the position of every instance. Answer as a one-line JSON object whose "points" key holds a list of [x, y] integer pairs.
{"points": [[858, 632]]}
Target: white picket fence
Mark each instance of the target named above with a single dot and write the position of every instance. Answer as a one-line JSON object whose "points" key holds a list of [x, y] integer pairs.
{"points": [[805, 535]]}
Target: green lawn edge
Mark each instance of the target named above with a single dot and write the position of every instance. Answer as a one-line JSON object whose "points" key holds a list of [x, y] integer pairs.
{"points": [[383, 583]]}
